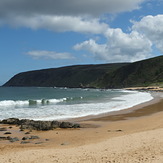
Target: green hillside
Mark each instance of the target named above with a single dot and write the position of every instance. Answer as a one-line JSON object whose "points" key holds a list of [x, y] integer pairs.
{"points": [[118, 75], [71, 76], [143, 73]]}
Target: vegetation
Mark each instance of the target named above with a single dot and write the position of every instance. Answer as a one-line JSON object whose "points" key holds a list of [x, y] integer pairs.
{"points": [[143, 73], [71, 76], [119, 75]]}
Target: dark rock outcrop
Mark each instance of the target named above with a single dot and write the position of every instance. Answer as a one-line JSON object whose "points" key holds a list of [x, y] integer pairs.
{"points": [[13, 139], [38, 125], [3, 129], [9, 138]]}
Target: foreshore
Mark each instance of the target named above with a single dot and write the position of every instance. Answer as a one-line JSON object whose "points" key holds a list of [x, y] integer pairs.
{"points": [[131, 135]]}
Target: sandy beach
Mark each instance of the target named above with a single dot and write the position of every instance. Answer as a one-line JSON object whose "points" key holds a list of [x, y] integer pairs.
{"points": [[133, 135]]}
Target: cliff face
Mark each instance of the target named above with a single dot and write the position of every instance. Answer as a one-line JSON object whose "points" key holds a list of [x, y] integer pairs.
{"points": [[119, 75], [71, 76]]}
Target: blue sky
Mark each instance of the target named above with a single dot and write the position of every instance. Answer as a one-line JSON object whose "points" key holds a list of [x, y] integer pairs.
{"points": [[45, 34]]}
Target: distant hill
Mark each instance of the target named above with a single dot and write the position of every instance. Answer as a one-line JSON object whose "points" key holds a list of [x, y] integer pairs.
{"points": [[143, 73], [118, 75], [70, 76]]}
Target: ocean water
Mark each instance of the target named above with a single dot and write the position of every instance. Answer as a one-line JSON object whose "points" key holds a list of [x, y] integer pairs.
{"points": [[64, 103]]}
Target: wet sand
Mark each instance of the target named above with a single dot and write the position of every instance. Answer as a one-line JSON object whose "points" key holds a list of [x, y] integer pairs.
{"points": [[132, 135]]}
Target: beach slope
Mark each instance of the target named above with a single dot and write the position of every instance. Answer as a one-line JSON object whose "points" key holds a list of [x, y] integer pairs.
{"points": [[122, 140]]}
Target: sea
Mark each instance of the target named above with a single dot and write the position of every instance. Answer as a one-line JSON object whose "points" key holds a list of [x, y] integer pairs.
{"points": [[40, 103]]}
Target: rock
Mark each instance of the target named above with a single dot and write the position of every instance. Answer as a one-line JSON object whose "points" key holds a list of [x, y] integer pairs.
{"points": [[76, 125], [55, 124], [66, 143], [25, 142], [13, 139], [3, 138], [25, 138], [8, 137], [7, 133], [34, 137], [21, 129], [39, 125], [39, 143], [3, 129], [27, 133], [13, 121], [69, 125], [66, 125], [118, 130]]}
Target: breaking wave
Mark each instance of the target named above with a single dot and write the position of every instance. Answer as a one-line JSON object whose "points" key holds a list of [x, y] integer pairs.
{"points": [[69, 103], [9, 103]]}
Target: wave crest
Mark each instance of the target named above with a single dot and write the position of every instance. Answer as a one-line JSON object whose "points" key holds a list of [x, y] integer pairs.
{"points": [[18, 103]]}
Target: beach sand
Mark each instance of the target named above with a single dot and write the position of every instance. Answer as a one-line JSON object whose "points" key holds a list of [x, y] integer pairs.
{"points": [[133, 135]]}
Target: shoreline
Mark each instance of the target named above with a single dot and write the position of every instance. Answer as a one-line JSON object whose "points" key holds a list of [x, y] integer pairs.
{"points": [[157, 96], [134, 134], [106, 107]]}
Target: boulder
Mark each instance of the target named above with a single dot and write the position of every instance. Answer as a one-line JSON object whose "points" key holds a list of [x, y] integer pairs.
{"points": [[76, 125], [25, 142], [13, 139], [34, 137], [66, 125], [3, 129], [3, 138], [12, 121], [39, 125], [55, 124], [7, 133], [25, 138]]}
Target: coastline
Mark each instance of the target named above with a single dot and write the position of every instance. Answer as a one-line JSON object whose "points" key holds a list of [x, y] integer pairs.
{"points": [[131, 134], [157, 96]]}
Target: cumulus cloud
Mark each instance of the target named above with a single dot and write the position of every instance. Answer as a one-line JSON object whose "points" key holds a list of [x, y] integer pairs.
{"points": [[85, 16], [49, 55], [133, 46], [119, 47], [152, 28]]}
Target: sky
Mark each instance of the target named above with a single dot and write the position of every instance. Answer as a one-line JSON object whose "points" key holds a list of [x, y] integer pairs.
{"points": [[39, 34]]}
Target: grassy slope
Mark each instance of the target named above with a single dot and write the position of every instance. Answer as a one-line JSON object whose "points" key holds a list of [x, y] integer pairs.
{"points": [[142, 73], [71, 76], [119, 75]]}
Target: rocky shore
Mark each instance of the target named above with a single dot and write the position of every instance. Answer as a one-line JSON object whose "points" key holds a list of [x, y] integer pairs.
{"points": [[38, 125], [25, 129]]}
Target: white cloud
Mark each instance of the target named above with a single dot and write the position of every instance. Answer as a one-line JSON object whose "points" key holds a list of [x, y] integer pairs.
{"points": [[120, 46], [49, 55], [59, 23], [62, 15], [152, 28], [133, 46], [86, 16]]}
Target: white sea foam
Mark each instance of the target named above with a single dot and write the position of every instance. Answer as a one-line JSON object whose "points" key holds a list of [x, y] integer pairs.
{"points": [[9, 103], [54, 111], [81, 110]]}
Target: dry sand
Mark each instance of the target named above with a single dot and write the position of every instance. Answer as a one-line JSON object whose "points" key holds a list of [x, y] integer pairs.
{"points": [[134, 135]]}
